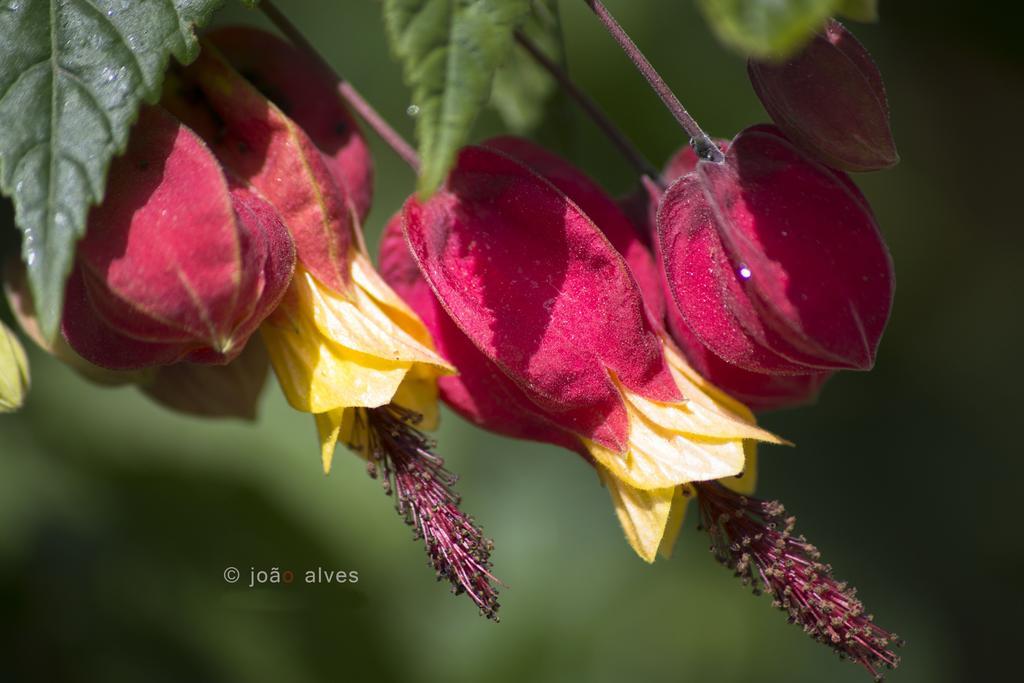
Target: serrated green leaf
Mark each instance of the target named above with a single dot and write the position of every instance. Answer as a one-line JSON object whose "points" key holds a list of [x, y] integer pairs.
{"points": [[73, 74], [858, 10], [767, 28], [522, 87], [450, 50]]}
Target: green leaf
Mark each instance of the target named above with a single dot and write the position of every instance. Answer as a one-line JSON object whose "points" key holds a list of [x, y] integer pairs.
{"points": [[858, 10], [522, 87], [73, 74], [767, 28], [449, 50]]}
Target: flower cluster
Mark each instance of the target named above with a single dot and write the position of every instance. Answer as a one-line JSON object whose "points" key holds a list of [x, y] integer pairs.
{"points": [[519, 293], [238, 208]]}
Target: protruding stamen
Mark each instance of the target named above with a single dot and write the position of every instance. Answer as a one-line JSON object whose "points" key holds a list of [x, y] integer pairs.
{"points": [[403, 458], [755, 539]]}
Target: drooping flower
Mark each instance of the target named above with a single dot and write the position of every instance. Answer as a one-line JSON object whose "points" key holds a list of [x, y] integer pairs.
{"points": [[514, 281], [341, 339], [344, 346], [830, 101], [774, 263], [552, 338], [176, 263]]}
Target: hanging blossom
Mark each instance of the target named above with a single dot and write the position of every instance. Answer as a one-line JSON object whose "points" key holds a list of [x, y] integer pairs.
{"points": [[344, 346], [553, 341], [536, 286], [237, 208]]}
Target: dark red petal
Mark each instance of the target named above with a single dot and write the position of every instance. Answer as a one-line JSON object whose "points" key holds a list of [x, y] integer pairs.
{"points": [[269, 151], [820, 276], [99, 344], [704, 285], [599, 207], [758, 391], [162, 257], [308, 94], [480, 393]]}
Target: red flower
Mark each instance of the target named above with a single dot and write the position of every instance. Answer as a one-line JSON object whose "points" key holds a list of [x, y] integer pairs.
{"points": [[550, 333]]}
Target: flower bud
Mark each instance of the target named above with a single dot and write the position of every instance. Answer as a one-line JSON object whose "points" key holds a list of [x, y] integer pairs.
{"points": [[14, 373], [307, 93], [830, 101], [174, 264], [775, 262], [758, 390]]}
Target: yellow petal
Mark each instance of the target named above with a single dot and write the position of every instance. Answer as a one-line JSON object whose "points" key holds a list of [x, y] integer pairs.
{"points": [[420, 395], [746, 482], [318, 375], [366, 277], [697, 389], [659, 458], [352, 319], [328, 426], [643, 514], [14, 372], [680, 500], [693, 418]]}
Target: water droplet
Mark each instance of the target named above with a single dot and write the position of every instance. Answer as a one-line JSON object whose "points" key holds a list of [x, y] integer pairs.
{"points": [[412, 110], [745, 272]]}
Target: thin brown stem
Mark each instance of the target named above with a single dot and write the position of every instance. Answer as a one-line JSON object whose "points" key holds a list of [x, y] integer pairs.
{"points": [[347, 91], [633, 155], [702, 143]]}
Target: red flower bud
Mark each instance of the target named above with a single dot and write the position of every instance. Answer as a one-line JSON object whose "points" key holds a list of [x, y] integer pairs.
{"points": [[758, 390], [174, 263], [775, 262], [308, 94], [830, 101]]}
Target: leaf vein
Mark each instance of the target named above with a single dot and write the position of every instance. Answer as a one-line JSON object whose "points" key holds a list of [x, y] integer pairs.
{"points": [[83, 86], [104, 19], [28, 70]]}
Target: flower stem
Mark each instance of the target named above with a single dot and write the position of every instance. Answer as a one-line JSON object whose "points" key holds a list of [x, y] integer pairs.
{"points": [[702, 143], [347, 91], [633, 155]]}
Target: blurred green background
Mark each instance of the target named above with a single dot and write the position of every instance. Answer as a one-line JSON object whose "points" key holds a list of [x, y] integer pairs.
{"points": [[117, 518]]}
